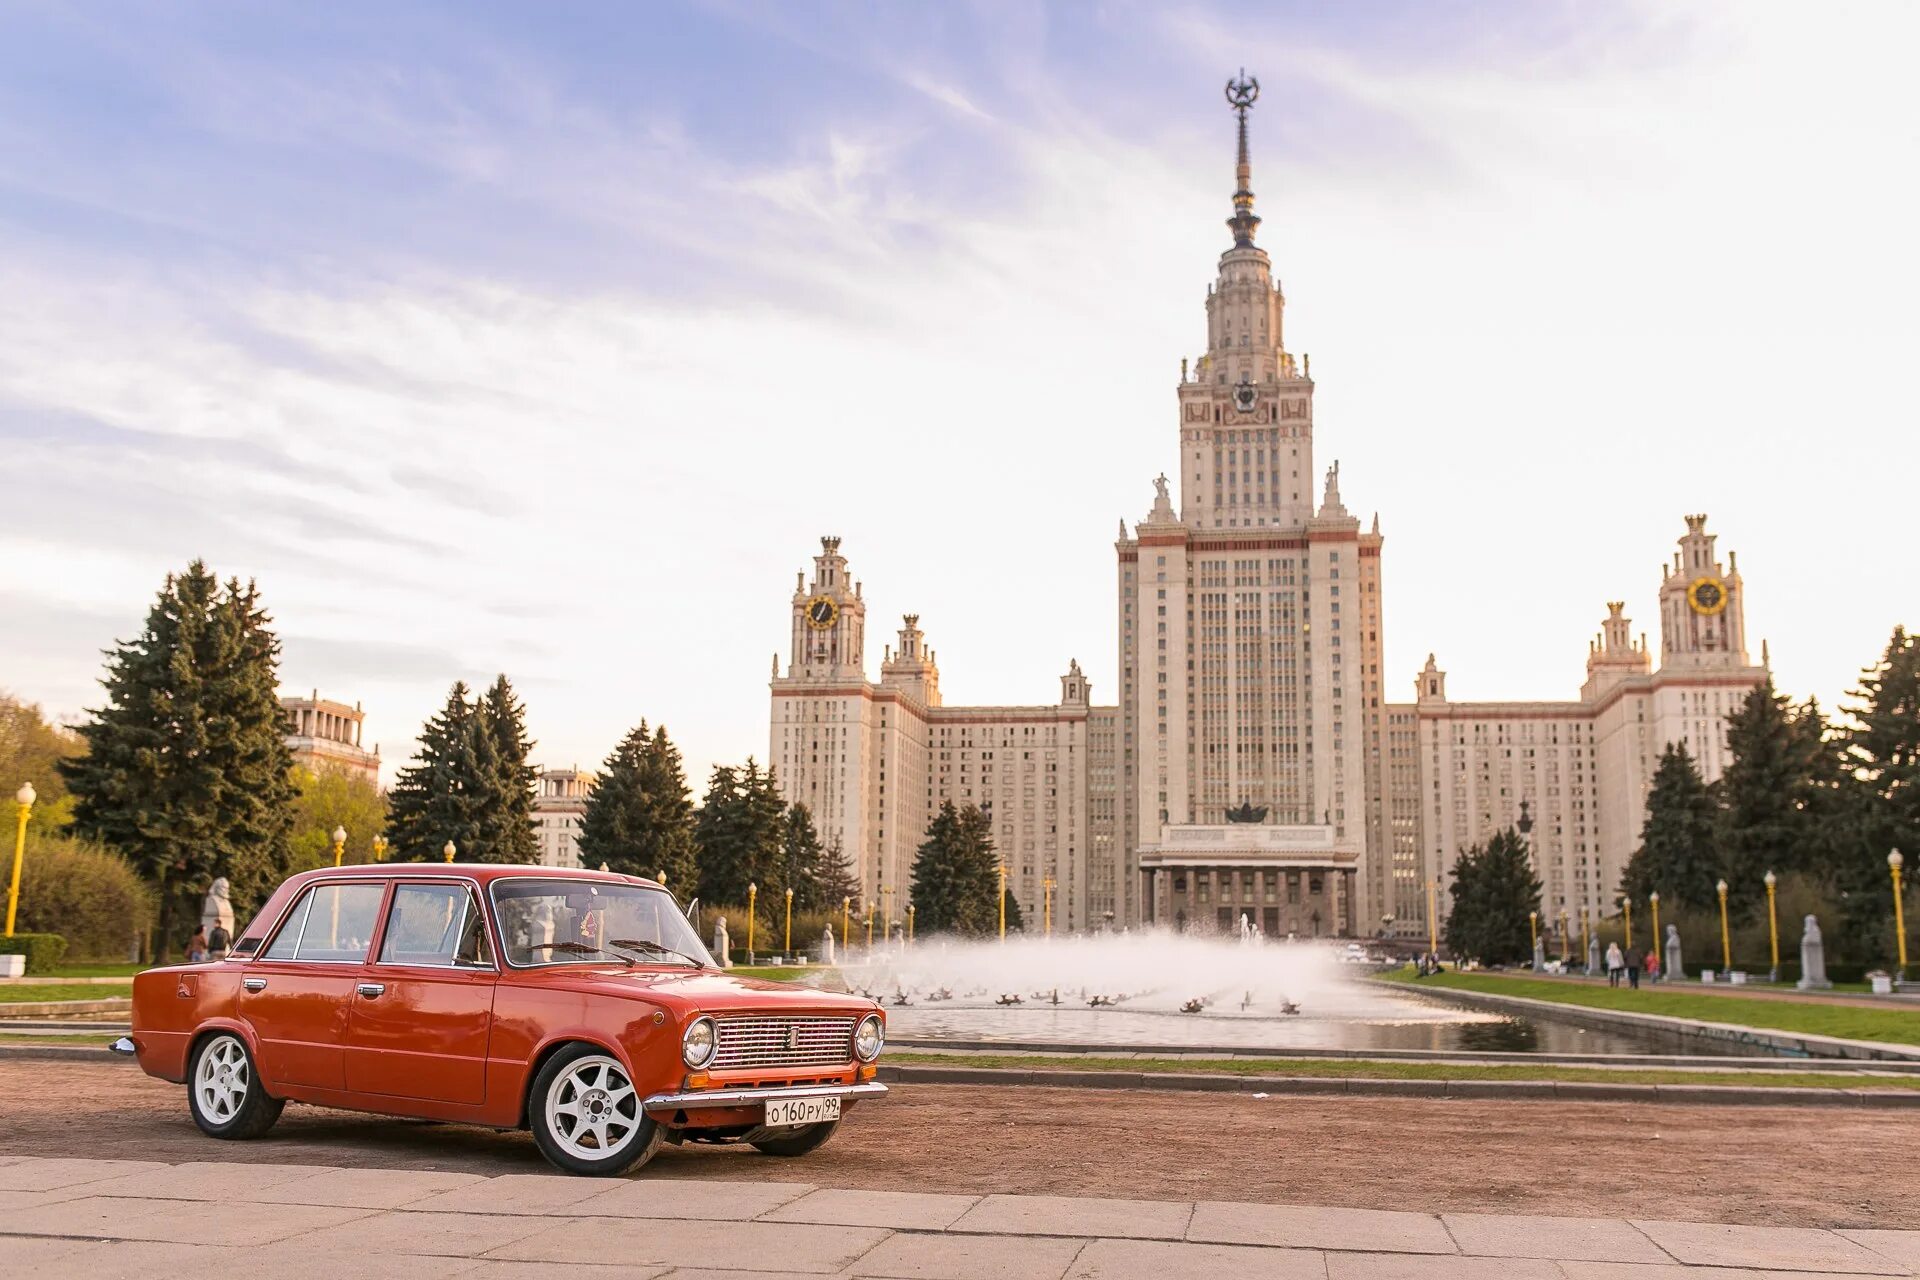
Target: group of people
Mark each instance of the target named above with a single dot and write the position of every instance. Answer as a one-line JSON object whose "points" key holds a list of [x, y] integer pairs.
{"points": [[203, 946], [1628, 964], [1427, 963]]}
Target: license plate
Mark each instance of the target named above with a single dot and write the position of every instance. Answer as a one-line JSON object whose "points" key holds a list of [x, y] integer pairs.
{"points": [[785, 1111]]}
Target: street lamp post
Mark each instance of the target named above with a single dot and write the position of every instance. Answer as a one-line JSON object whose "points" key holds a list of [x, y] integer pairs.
{"points": [[1653, 899], [753, 897], [788, 948], [1046, 911], [1003, 902], [339, 844], [1726, 937], [448, 849], [846, 909], [1894, 863], [1566, 955], [1626, 905], [869, 926], [1586, 939], [1533, 930], [24, 797], [909, 923], [1433, 920], [380, 847], [1773, 930]]}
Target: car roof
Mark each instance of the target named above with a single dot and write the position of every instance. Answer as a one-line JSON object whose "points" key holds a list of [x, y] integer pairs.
{"points": [[480, 871]]}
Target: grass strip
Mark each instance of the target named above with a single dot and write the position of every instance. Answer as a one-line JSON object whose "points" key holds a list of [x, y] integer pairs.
{"points": [[1347, 1069], [1848, 1022], [96, 970], [36, 992]]}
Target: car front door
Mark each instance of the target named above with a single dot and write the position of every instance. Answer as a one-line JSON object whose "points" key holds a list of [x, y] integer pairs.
{"points": [[298, 993], [423, 1010]]}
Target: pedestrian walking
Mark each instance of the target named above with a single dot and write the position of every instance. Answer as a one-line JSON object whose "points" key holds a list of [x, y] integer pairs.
{"points": [[1615, 963], [218, 943], [1633, 969], [197, 945], [1653, 964]]}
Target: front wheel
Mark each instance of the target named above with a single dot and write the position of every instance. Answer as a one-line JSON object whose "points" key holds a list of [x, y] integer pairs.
{"points": [[586, 1115], [811, 1138], [224, 1091]]}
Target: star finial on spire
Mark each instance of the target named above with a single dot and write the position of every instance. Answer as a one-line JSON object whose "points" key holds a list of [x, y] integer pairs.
{"points": [[1241, 95]]}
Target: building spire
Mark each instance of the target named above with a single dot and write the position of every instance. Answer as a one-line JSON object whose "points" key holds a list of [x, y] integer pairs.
{"points": [[1241, 95]]}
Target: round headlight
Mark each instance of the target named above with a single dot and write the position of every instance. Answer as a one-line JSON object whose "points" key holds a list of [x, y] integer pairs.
{"points": [[699, 1044], [867, 1038]]}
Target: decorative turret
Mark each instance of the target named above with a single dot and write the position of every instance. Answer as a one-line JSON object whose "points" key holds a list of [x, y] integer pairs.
{"points": [[829, 620], [1702, 605], [912, 669], [1075, 689]]}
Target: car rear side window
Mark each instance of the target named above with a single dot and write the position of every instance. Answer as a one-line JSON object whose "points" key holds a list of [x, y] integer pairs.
{"points": [[331, 922], [436, 924]]}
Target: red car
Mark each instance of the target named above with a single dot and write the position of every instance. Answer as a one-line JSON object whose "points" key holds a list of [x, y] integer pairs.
{"points": [[577, 1004]]}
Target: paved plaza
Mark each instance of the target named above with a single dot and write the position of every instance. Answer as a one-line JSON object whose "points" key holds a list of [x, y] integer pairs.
{"points": [[101, 1218]]}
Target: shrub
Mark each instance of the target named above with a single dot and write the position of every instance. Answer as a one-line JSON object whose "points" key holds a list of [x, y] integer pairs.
{"points": [[42, 950], [92, 898]]}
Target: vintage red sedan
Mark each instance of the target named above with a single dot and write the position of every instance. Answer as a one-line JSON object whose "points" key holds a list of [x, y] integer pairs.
{"points": [[578, 1004]]}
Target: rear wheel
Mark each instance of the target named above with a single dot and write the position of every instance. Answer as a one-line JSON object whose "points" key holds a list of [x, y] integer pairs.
{"points": [[224, 1091], [800, 1141], [586, 1115]]}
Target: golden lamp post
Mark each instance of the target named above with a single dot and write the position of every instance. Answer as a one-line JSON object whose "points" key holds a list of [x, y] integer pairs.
{"points": [[1773, 930], [1626, 906], [788, 948], [661, 878], [380, 847], [1894, 863], [1433, 919], [753, 896], [1003, 902], [1726, 937], [886, 912], [339, 844], [846, 909], [1047, 910], [1586, 936], [1653, 900], [869, 926], [448, 849], [1565, 954], [24, 797], [909, 923], [1533, 929]]}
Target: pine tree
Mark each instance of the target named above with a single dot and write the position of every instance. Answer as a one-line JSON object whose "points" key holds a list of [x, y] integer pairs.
{"points": [[441, 796], [1765, 793], [956, 882], [836, 878], [508, 834], [738, 832], [187, 769], [1877, 802], [1677, 856], [639, 818], [803, 861], [1494, 889]]}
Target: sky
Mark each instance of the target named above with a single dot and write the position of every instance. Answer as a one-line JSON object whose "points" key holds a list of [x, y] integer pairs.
{"points": [[549, 338]]}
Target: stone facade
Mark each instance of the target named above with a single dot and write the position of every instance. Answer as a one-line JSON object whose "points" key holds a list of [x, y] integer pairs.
{"points": [[559, 803], [325, 735]]}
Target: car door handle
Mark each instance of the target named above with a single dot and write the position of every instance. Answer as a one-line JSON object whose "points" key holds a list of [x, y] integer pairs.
{"points": [[254, 984], [371, 989]]}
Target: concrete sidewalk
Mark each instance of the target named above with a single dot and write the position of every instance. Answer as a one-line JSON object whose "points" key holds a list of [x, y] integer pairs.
{"points": [[104, 1218]]}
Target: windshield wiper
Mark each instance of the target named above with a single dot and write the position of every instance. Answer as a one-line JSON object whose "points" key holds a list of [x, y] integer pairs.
{"points": [[581, 949], [649, 944]]}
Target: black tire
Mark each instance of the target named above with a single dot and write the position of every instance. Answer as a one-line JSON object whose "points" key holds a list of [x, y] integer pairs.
{"points": [[224, 1090], [578, 1093], [811, 1138]]}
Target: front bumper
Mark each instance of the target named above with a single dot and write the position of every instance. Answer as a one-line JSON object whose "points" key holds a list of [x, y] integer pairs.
{"points": [[703, 1098]]}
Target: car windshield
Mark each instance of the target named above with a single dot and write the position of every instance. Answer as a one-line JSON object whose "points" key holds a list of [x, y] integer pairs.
{"points": [[551, 921]]}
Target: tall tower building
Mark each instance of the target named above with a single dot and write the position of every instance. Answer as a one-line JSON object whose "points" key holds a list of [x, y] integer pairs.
{"points": [[1251, 727]]}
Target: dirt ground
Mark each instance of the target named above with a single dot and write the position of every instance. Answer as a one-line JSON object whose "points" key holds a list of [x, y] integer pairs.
{"points": [[1762, 1165]]}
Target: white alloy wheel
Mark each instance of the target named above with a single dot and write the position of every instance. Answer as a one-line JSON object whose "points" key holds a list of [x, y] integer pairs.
{"points": [[592, 1109], [221, 1083]]}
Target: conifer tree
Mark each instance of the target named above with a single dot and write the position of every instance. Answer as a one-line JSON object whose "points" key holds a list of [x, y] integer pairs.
{"points": [[803, 861], [738, 832], [639, 818], [509, 834], [187, 768], [1765, 792], [1877, 808], [1677, 857], [956, 882], [443, 794], [1494, 888]]}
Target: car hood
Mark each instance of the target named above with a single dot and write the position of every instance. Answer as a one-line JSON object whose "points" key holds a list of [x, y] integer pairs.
{"points": [[707, 990]]}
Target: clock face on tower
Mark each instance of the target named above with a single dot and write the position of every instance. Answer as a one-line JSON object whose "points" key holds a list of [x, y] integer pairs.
{"points": [[821, 612], [1707, 596], [1244, 397]]}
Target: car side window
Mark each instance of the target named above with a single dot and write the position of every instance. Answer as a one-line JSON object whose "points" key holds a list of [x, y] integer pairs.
{"points": [[288, 939], [336, 923], [436, 924]]}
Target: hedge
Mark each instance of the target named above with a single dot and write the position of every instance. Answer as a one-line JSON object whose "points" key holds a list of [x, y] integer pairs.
{"points": [[42, 950]]}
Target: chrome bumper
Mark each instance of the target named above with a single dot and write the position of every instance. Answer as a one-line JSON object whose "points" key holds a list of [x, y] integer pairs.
{"points": [[747, 1097], [124, 1045]]}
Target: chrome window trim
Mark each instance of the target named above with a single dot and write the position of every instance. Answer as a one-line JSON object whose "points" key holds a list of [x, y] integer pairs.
{"points": [[646, 886], [381, 883], [472, 902]]}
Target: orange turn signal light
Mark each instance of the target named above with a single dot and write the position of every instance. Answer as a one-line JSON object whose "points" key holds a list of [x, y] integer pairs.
{"points": [[698, 1080], [868, 1071]]}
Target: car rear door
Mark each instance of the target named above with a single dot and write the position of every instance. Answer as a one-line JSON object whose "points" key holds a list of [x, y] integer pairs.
{"points": [[423, 1010], [297, 993]]}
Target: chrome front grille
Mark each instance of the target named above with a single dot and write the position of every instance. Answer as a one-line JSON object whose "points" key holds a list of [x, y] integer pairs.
{"points": [[782, 1042]]}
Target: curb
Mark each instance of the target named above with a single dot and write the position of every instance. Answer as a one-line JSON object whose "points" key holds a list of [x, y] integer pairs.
{"points": [[1483, 1090], [55, 1008], [60, 1053]]}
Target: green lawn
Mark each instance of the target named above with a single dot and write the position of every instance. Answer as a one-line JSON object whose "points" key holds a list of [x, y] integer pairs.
{"points": [[790, 973], [96, 970], [1849, 1022], [35, 992], [1345, 1069]]}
